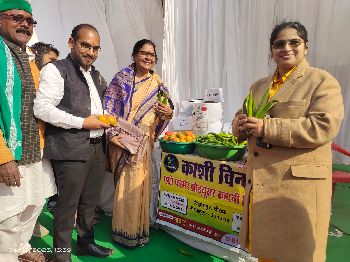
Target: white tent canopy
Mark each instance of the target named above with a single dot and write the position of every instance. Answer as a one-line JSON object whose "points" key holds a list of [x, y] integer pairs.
{"points": [[205, 43], [120, 24], [212, 44]]}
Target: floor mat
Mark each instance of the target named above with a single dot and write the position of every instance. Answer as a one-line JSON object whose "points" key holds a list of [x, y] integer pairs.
{"points": [[164, 247], [338, 248]]}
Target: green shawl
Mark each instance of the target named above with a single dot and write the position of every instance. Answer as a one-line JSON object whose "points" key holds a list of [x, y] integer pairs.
{"points": [[10, 101]]}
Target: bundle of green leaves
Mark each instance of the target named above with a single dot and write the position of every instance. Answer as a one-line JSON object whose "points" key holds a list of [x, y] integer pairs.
{"points": [[250, 109], [162, 98]]}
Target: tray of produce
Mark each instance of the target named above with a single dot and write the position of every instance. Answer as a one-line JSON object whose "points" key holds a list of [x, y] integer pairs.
{"points": [[178, 142], [221, 146]]}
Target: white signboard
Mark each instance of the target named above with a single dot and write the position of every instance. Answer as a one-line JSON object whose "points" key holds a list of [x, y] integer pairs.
{"points": [[199, 117], [214, 95], [174, 202], [182, 123]]}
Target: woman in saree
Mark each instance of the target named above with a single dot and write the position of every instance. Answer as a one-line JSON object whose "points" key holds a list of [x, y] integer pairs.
{"points": [[132, 96]]}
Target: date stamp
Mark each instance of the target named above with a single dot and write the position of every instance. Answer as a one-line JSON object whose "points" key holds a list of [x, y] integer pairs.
{"points": [[44, 250]]}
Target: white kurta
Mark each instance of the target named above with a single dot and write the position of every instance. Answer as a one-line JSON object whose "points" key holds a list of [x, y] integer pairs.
{"points": [[37, 183]]}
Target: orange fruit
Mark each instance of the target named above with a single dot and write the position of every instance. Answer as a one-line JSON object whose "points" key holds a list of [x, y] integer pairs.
{"points": [[108, 119], [103, 119], [188, 133], [180, 135], [188, 138], [173, 139], [165, 138], [112, 120]]}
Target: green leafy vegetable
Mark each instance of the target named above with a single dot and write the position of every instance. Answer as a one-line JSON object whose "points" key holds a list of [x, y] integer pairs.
{"points": [[224, 139], [249, 105], [162, 98]]}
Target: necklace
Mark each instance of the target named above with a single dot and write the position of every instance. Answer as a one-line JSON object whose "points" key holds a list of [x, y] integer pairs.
{"points": [[140, 82]]}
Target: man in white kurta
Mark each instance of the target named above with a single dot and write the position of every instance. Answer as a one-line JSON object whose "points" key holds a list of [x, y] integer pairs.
{"points": [[25, 181]]}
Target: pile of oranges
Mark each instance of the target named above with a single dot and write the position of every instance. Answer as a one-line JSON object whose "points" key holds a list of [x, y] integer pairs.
{"points": [[173, 136], [108, 119]]}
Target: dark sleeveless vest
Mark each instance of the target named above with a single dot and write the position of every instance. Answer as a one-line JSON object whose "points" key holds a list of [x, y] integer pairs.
{"points": [[72, 144]]}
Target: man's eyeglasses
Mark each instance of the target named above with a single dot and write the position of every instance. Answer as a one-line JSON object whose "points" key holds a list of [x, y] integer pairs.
{"points": [[19, 19], [86, 47], [145, 54], [280, 44]]}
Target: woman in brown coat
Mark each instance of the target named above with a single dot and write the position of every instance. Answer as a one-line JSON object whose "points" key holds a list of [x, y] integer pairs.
{"points": [[288, 195]]}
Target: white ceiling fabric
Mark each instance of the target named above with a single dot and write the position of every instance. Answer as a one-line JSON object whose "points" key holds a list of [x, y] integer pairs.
{"points": [[121, 23], [225, 44], [205, 43]]}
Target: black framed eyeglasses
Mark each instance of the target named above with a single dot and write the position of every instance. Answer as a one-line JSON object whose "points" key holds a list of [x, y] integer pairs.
{"points": [[86, 47], [280, 44], [147, 54], [19, 19]]}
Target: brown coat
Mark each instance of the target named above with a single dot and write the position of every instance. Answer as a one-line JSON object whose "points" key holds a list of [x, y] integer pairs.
{"points": [[292, 180]]}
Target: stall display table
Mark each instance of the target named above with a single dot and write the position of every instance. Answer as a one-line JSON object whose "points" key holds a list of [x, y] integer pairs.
{"points": [[203, 199]]}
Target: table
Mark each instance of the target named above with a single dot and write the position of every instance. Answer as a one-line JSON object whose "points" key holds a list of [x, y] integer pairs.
{"points": [[202, 198]]}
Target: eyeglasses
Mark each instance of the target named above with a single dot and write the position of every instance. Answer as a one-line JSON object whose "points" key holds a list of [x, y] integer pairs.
{"points": [[19, 19], [145, 54], [280, 44], [86, 47]]}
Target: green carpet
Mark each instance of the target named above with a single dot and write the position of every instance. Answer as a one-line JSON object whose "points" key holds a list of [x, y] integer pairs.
{"points": [[338, 248], [164, 247]]}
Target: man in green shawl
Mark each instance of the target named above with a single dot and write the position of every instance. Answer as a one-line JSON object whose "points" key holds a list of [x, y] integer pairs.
{"points": [[22, 181]]}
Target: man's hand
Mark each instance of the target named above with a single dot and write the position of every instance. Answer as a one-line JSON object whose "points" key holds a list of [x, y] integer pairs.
{"points": [[92, 122], [115, 140], [9, 174], [163, 110]]}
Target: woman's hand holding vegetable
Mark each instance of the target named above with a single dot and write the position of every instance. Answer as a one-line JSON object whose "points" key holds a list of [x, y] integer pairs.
{"points": [[252, 122], [163, 110], [251, 125], [235, 123]]}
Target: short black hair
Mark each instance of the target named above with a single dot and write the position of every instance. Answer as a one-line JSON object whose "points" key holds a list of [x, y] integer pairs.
{"points": [[40, 49], [76, 29], [139, 44], [301, 30]]}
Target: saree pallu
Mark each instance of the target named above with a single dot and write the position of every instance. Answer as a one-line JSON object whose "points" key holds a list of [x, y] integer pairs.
{"points": [[134, 103]]}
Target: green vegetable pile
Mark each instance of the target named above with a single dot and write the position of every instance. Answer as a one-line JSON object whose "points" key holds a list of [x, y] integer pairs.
{"points": [[250, 109], [162, 98], [223, 139]]}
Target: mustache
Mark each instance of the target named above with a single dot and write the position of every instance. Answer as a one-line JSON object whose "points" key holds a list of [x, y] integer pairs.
{"points": [[88, 56], [24, 31]]}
